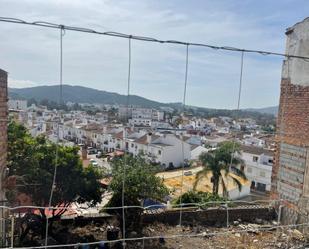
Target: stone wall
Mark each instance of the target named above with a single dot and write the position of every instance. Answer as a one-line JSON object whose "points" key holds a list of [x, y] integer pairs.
{"points": [[212, 216]]}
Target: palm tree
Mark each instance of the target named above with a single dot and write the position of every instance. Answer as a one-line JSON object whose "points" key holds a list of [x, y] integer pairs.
{"points": [[219, 163]]}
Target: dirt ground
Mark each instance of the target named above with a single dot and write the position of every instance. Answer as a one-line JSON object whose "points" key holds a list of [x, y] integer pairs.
{"points": [[237, 236]]}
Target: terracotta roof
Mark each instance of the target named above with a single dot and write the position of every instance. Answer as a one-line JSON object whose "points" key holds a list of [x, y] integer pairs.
{"points": [[119, 135], [92, 127], [256, 150]]}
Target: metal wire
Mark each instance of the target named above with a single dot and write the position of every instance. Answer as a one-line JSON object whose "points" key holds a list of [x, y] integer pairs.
{"points": [[190, 235], [58, 134], [238, 102], [145, 38], [163, 206], [182, 139], [125, 136]]}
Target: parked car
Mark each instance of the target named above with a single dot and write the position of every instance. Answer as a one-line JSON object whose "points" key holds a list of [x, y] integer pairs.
{"points": [[95, 164], [99, 155], [91, 151], [188, 173]]}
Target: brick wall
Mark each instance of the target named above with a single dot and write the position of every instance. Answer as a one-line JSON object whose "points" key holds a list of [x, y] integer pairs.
{"points": [[3, 142], [289, 172], [293, 117], [3, 125], [290, 177], [212, 216]]}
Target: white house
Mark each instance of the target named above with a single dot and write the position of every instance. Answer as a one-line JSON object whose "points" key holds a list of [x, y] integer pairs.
{"points": [[251, 140], [165, 149], [196, 151], [16, 104], [258, 163]]}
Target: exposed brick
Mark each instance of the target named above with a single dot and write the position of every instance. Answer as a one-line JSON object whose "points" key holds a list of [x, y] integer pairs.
{"points": [[290, 178], [3, 126]]}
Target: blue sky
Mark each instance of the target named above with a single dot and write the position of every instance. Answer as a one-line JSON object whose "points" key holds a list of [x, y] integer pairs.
{"points": [[31, 54]]}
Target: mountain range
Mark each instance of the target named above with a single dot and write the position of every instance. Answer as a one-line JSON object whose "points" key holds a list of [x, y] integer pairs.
{"points": [[80, 94]]}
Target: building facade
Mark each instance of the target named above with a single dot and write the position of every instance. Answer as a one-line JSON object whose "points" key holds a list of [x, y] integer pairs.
{"points": [[290, 175], [258, 163]]}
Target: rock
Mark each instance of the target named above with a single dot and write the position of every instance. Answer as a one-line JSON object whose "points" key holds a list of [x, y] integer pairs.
{"points": [[275, 223], [279, 245], [236, 222], [296, 234], [242, 226], [255, 241], [283, 235], [237, 235], [204, 234], [259, 221]]}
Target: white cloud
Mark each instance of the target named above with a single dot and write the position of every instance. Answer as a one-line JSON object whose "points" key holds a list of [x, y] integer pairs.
{"points": [[13, 83], [32, 53]]}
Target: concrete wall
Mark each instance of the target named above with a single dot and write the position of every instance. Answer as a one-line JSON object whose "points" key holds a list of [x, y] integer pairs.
{"points": [[298, 44]]}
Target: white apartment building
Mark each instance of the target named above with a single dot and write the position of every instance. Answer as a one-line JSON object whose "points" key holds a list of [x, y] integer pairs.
{"points": [[157, 115], [140, 116], [165, 149], [15, 104], [258, 163], [253, 141]]}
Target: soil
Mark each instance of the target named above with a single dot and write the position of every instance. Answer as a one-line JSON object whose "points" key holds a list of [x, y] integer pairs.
{"points": [[238, 236]]}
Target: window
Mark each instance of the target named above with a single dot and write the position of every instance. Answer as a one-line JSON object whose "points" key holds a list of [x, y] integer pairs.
{"points": [[249, 169], [252, 185], [261, 187], [132, 145], [255, 158], [159, 152], [262, 173]]}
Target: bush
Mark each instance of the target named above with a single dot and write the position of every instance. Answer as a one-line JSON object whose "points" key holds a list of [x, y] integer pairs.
{"points": [[198, 199]]}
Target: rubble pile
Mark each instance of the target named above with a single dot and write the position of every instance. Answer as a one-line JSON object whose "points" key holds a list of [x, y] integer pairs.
{"points": [[238, 235]]}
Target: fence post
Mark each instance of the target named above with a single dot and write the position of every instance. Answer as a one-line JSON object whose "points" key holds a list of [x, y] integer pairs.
{"points": [[12, 231], [278, 220]]}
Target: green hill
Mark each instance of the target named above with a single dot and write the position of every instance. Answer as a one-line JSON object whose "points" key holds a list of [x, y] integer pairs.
{"points": [[79, 94]]}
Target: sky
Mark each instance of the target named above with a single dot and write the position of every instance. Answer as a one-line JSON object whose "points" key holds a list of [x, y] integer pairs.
{"points": [[31, 54]]}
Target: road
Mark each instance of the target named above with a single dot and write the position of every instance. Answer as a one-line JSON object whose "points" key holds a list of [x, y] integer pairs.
{"points": [[178, 172], [102, 162]]}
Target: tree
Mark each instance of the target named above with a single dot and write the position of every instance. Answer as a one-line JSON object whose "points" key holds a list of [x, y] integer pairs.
{"points": [[219, 162], [31, 162], [140, 183], [197, 198]]}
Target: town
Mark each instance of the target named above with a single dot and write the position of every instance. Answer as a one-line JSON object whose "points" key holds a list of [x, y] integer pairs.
{"points": [[87, 167], [158, 134]]}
